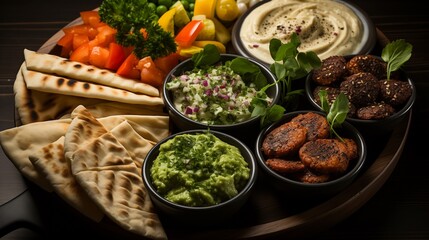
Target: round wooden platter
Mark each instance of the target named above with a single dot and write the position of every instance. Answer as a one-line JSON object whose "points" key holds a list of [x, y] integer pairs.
{"points": [[269, 213]]}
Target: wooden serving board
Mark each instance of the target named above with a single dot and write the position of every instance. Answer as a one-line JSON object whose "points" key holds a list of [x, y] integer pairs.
{"points": [[269, 213]]}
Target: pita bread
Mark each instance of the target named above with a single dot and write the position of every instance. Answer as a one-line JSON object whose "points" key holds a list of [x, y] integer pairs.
{"points": [[104, 168], [50, 162], [20, 142], [36, 106], [48, 63], [60, 85], [135, 144]]}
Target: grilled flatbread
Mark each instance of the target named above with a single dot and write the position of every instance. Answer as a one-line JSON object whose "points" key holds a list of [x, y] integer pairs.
{"points": [[104, 168], [36, 106], [51, 64], [21, 142], [60, 85], [50, 162]]}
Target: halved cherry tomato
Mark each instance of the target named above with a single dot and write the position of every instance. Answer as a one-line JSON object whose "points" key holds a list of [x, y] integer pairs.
{"points": [[150, 73], [167, 63], [117, 54], [66, 43], [91, 18], [189, 33], [98, 56], [128, 67]]}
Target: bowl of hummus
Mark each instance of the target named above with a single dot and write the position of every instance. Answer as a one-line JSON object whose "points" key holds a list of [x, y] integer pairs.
{"points": [[199, 176], [326, 27]]}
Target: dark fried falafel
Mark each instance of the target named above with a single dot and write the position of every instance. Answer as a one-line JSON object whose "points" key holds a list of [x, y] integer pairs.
{"points": [[362, 89], [332, 70], [285, 166], [332, 93], [375, 111], [367, 63], [310, 177], [316, 124], [395, 92], [325, 156], [284, 140]]}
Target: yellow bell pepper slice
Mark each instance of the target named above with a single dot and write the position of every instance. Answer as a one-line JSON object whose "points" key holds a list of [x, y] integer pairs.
{"points": [[166, 21], [205, 7], [189, 51], [202, 44]]}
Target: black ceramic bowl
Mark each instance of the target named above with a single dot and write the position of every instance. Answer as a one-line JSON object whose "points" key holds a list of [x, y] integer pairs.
{"points": [[364, 46], [374, 127], [239, 130], [295, 189], [207, 214]]}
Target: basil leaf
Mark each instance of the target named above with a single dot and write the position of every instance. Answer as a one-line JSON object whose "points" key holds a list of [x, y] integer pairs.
{"points": [[395, 54]]}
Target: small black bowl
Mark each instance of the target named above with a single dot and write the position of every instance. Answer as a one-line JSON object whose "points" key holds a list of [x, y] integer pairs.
{"points": [[375, 127], [299, 190], [207, 215], [245, 130], [366, 45]]}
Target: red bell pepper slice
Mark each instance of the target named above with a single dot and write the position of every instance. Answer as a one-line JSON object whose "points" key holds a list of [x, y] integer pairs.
{"points": [[189, 33]]}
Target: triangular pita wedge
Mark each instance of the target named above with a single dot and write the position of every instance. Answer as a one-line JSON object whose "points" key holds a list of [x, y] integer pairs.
{"points": [[50, 162], [51, 64], [36, 106], [61, 85], [135, 144], [20, 142], [104, 168]]}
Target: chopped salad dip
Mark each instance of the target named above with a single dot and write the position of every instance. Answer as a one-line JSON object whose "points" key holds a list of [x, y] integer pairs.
{"points": [[215, 95]]}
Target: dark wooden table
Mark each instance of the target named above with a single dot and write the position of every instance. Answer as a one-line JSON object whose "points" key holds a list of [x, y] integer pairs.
{"points": [[399, 210]]}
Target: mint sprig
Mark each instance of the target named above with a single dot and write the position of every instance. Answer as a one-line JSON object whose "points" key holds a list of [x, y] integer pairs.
{"points": [[336, 113], [396, 53]]}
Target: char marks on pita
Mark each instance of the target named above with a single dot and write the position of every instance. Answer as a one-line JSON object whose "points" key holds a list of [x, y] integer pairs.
{"points": [[104, 168], [51, 64], [60, 85], [36, 106], [50, 161]]}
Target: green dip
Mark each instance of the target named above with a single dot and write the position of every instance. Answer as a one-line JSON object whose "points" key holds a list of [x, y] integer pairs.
{"points": [[199, 170]]}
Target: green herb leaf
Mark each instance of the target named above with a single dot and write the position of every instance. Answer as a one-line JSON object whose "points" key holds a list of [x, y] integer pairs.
{"points": [[208, 56], [395, 54], [336, 114]]}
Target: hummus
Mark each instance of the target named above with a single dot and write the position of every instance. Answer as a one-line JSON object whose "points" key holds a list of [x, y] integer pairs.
{"points": [[326, 27]]}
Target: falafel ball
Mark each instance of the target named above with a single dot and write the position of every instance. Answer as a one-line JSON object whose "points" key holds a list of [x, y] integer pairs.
{"points": [[395, 92], [362, 89], [367, 63], [332, 70], [375, 111], [332, 93]]}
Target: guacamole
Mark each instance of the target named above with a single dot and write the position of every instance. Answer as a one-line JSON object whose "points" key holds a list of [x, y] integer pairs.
{"points": [[199, 170]]}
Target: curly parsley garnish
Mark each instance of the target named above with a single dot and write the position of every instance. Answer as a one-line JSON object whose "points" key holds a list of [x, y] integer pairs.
{"points": [[133, 17]]}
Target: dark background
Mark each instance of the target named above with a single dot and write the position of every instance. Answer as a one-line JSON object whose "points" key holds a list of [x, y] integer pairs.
{"points": [[399, 210]]}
